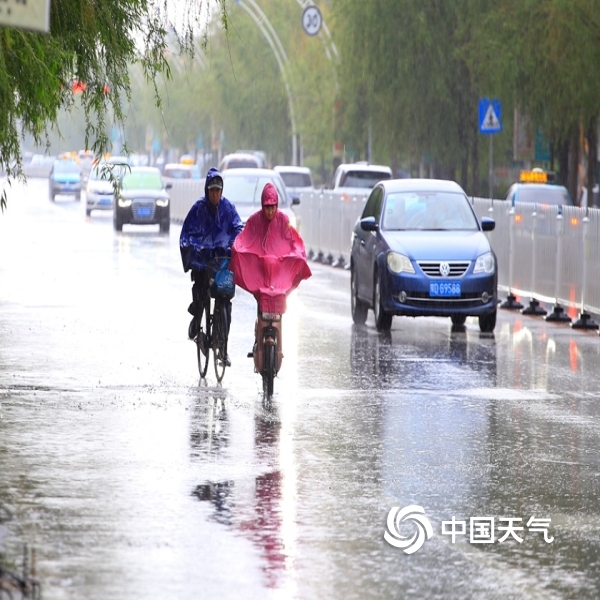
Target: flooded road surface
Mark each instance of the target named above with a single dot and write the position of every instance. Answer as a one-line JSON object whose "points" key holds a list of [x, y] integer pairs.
{"points": [[133, 479]]}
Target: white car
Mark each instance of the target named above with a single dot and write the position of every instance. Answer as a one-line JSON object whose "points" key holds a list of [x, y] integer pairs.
{"points": [[298, 180], [244, 187], [100, 190], [360, 176], [240, 160]]}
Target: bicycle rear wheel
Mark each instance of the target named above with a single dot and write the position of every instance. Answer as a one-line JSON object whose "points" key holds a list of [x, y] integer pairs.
{"points": [[219, 340], [203, 338], [268, 374]]}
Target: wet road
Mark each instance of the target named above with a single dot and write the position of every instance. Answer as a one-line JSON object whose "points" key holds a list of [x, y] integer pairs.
{"points": [[133, 480]]}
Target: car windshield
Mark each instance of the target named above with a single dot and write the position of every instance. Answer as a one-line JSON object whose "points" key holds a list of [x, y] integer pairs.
{"points": [[241, 163], [428, 210], [178, 173], [543, 194], [66, 166], [364, 179], [104, 171], [147, 180], [246, 190], [296, 179]]}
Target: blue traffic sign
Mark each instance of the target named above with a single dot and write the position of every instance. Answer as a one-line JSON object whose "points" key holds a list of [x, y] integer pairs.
{"points": [[490, 116]]}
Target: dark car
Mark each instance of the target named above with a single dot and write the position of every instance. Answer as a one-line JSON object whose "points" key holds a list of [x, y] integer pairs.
{"points": [[419, 250], [65, 179], [142, 199]]}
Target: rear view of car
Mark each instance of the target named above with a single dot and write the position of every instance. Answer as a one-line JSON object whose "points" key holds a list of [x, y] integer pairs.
{"points": [[142, 199], [65, 179], [298, 180]]}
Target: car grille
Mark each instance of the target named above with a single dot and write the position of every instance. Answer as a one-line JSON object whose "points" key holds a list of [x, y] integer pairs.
{"points": [[143, 211], [431, 268]]}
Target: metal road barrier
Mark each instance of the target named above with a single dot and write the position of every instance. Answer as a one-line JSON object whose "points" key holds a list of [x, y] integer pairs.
{"points": [[544, 254]]}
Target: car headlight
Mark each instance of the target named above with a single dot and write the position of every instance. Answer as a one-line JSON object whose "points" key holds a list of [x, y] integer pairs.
{"points": [[162, 202], [124, 202], [398, 263], [485, 263]]}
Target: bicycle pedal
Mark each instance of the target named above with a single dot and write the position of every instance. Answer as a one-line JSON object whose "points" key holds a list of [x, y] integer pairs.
{"points": [[250, 355]]}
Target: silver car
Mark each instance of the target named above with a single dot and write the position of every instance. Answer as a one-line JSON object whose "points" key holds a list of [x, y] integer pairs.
{"points": [[244, 187], [100, 188]]}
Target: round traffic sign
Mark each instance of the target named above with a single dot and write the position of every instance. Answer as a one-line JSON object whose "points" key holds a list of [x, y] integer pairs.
{"points": [[312, 20]]}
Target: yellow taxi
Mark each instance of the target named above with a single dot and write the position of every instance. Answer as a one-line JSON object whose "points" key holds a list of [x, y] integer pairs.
{"points": [[537, 185]]}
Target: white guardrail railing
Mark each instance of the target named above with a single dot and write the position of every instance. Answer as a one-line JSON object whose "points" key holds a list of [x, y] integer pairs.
{"points": [[544, 254]]}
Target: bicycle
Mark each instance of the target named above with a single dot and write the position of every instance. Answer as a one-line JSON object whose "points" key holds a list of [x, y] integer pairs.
{"points": [[212, 333], [268, 350]]}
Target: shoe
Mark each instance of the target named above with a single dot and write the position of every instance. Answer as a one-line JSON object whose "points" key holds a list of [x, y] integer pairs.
{"points": [[193, 329], [227, 360]]}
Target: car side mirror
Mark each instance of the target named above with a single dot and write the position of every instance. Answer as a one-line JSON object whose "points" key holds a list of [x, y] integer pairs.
{"points": [[369, 224], [488, 224], [295, 201], [168, 186]]}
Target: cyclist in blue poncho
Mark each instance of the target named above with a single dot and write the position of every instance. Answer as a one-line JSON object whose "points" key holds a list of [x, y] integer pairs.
{"points": [[208, 232]]}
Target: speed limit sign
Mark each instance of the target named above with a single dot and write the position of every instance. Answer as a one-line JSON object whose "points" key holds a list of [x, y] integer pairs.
{"points": [[311, 20]]}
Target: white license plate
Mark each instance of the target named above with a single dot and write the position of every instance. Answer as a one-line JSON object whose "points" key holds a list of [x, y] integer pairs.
{"points": [[444, 289]]}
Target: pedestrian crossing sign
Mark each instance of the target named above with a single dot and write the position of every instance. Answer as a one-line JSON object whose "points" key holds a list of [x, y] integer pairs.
{"points": [[490, 116]]}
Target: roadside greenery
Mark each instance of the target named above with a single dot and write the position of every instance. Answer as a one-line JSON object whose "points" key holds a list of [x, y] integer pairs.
{"points": [[87, 54], [403, 90]]}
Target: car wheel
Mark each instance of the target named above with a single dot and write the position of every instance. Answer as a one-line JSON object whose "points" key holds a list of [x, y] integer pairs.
{"points": [[487, 323], [383, 320], [458, 320], [359, 308], [165, 226]]}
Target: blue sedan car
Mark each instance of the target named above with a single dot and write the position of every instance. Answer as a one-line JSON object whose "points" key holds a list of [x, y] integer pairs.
{"points": [[419, 250]]}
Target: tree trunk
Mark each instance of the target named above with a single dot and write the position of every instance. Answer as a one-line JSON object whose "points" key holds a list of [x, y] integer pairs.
{"points": [[475, 183], [592, 144], [573, 169]]}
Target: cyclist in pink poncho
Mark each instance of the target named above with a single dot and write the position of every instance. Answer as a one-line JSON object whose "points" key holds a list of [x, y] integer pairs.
{"points": [[268, 257]]}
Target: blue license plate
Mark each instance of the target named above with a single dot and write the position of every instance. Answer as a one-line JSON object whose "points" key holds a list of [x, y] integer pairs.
{"points": [[444, 289], [144, 212], [105, 201]]}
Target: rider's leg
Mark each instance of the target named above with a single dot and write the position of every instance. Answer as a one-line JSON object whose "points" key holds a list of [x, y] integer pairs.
{"points": [[197, 306]]}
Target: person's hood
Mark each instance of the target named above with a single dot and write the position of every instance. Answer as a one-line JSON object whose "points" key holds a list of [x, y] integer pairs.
{"points": [[212, 173]]}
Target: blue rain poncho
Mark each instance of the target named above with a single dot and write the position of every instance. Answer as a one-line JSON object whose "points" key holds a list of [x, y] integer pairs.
{"points": [[208, 233]]}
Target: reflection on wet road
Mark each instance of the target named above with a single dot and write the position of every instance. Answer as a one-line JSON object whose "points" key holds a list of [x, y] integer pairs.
{"points": [[133, 480]]}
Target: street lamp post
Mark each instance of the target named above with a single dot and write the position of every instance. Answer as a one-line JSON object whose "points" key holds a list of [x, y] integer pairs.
{"points": [[259, 17]]}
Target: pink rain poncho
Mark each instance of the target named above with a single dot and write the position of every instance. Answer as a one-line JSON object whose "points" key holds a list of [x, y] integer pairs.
{"points": [[268, 258]]}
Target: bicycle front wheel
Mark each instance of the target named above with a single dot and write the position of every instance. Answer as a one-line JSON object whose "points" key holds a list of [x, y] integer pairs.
{"points": [[203, 339], [219, 340], [268, 374]]}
